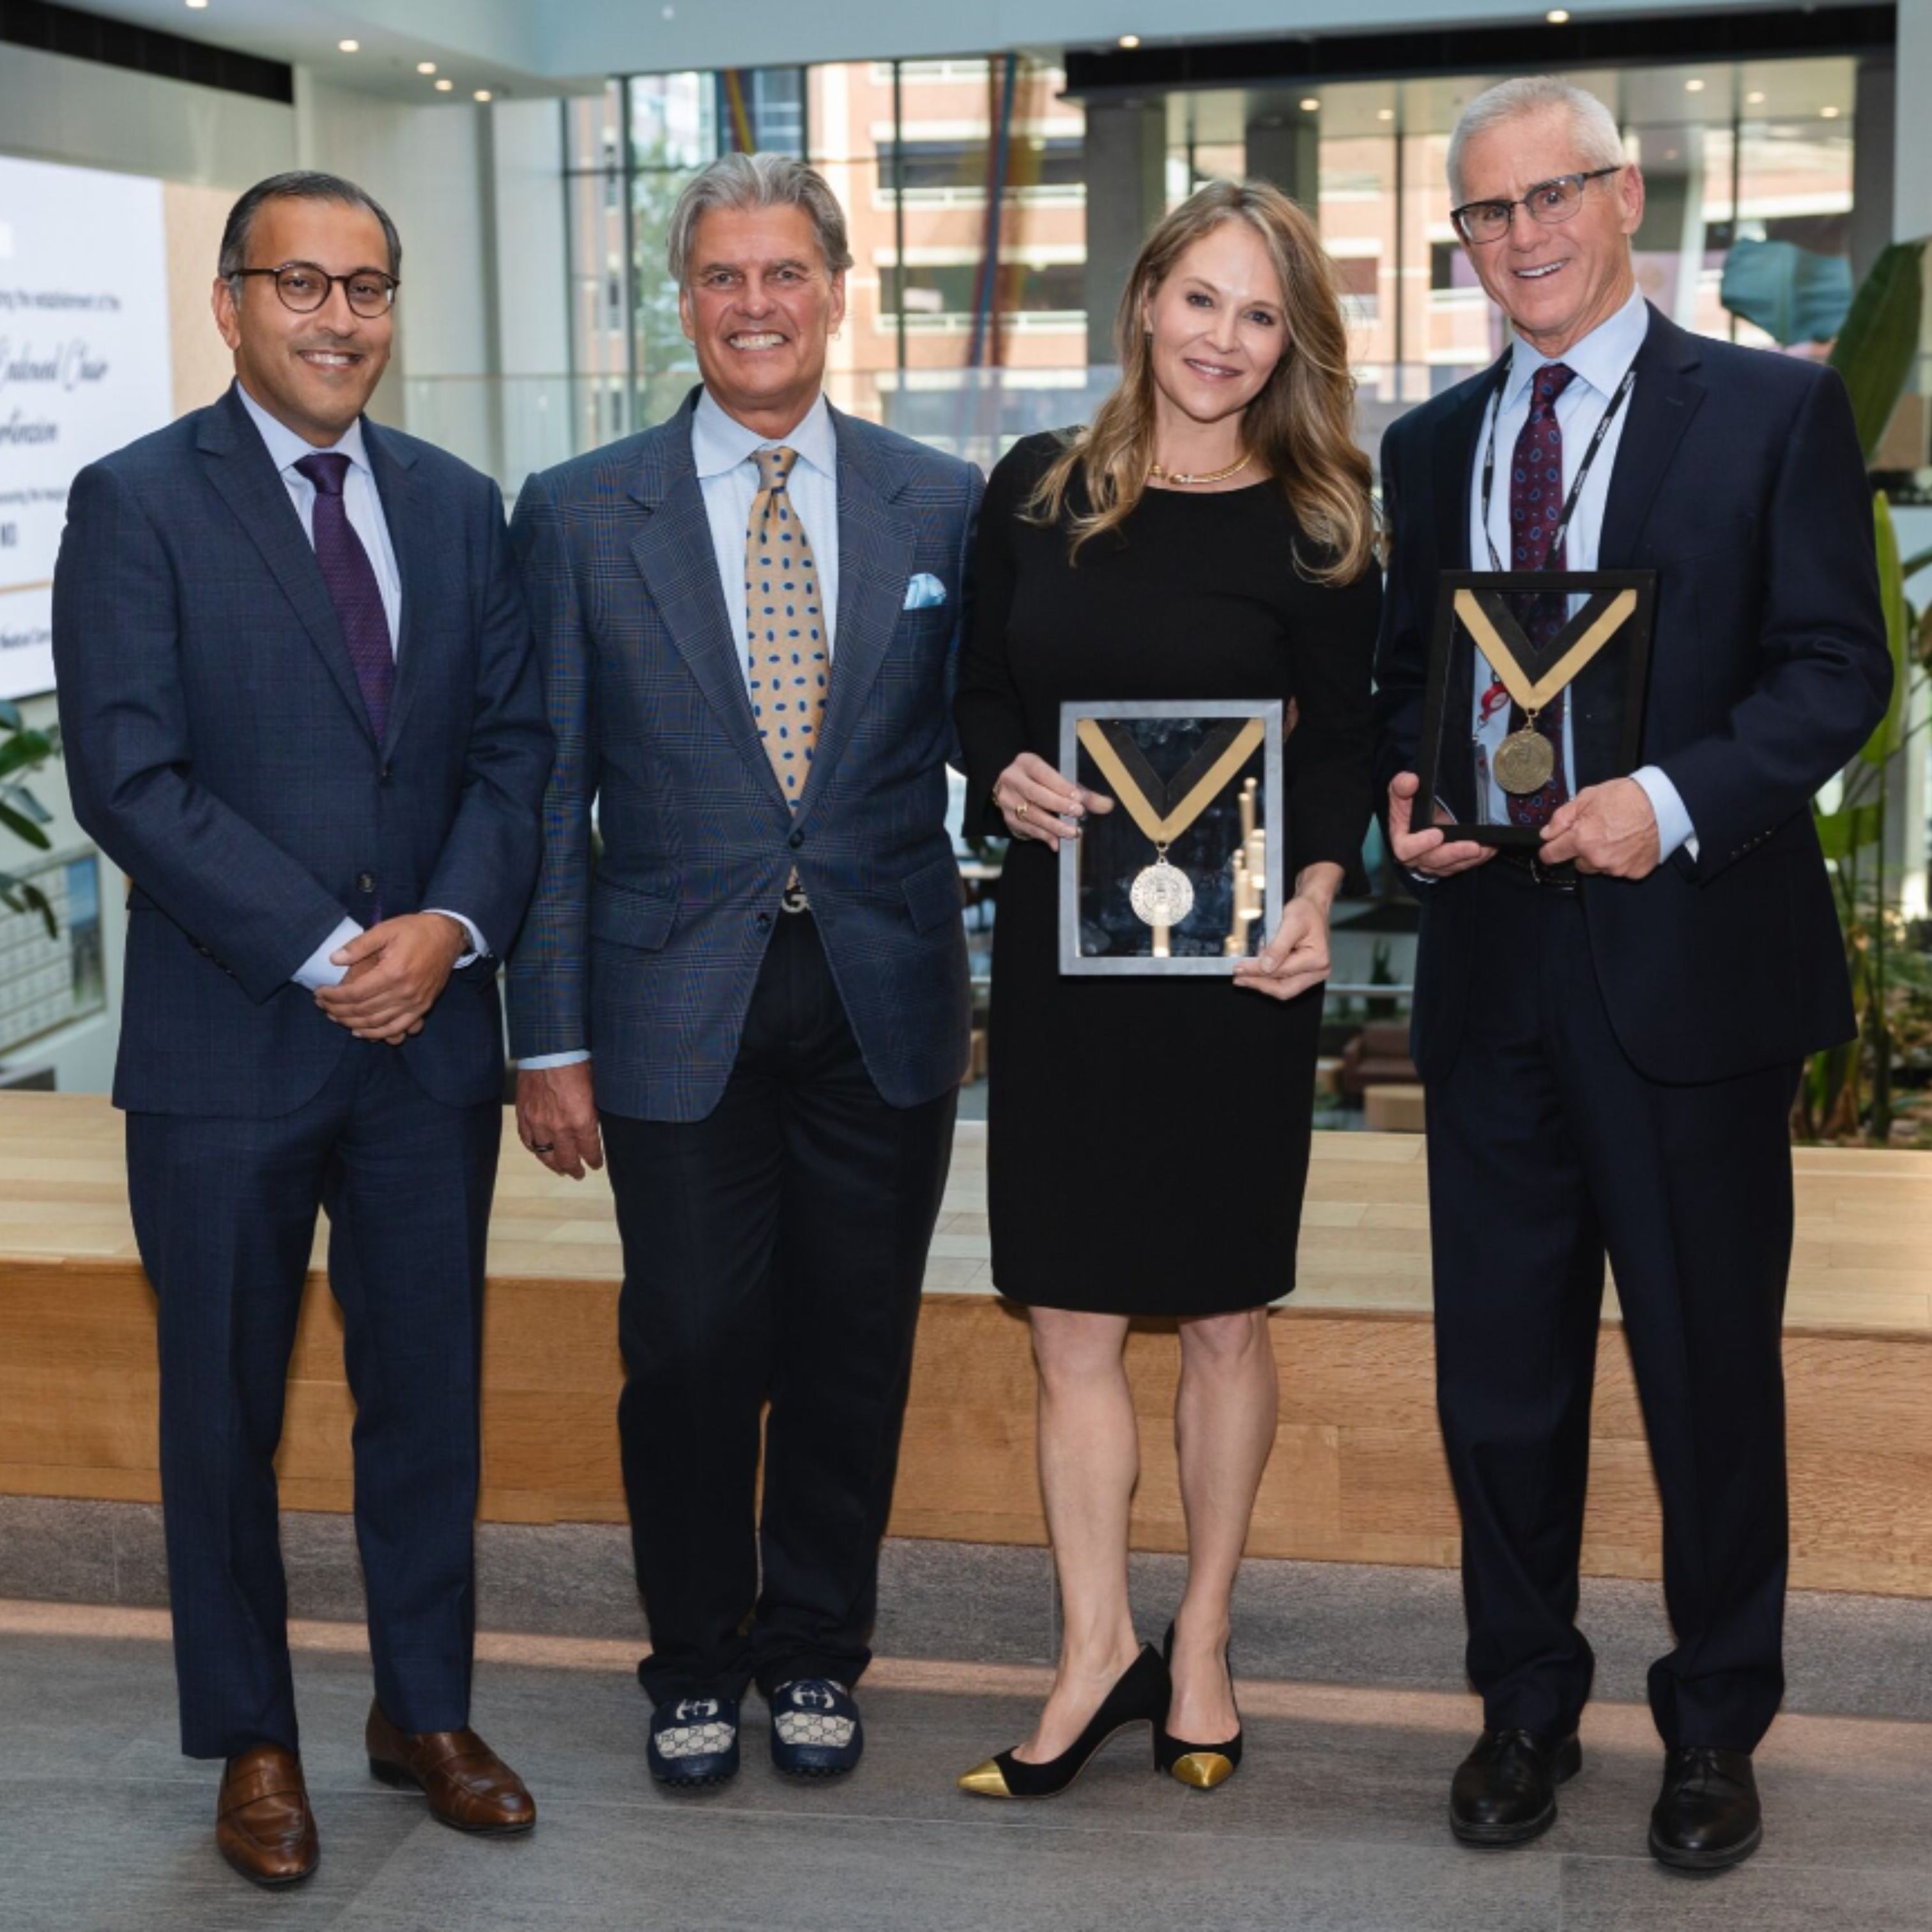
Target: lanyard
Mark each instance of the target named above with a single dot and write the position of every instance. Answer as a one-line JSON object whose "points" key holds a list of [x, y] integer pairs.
{"points": [[1583, 469]]}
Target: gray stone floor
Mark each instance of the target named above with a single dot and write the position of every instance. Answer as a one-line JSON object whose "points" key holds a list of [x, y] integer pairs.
{"points": [[1333, 1824]]}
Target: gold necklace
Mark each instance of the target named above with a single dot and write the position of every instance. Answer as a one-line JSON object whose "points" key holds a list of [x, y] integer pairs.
{"points": [[1156, 473]]}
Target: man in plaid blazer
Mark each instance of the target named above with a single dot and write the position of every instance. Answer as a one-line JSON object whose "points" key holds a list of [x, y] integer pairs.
{"points": [[755, 994]]}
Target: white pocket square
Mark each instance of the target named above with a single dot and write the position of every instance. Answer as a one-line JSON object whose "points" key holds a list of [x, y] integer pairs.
{"points": [[924, 591]]}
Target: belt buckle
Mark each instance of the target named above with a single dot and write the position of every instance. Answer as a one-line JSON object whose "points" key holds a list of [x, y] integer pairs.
{"points": [[1558, 880], [793, 899]]}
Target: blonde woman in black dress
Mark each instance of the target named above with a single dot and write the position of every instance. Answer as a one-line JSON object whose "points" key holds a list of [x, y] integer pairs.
{"points": [[1211, 535]]}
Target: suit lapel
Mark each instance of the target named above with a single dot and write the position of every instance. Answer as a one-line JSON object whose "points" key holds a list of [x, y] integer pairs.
{"points": [[875, 553], [244, 474], [1455, 459], [1662, 403], [673, 552], [406, 516]]}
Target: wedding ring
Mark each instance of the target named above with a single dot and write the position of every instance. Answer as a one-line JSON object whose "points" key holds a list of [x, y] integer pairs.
{"points": [[543, 1147]]}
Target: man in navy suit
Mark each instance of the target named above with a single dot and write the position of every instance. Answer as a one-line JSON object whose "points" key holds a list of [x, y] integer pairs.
{"points": [[756, 995], [302, 710], [1610, 1027]]}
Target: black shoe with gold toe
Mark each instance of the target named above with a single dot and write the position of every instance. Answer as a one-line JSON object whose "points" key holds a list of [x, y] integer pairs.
{"points": [[1201, 1767], [1139, 1696]]}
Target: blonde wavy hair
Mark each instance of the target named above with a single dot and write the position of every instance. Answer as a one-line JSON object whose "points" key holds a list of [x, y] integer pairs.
{"points": [[1299, 427]]}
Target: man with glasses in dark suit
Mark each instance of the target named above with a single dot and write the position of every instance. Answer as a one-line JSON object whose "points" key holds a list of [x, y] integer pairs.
{"points": [[1610, 1023], [301, 711]]}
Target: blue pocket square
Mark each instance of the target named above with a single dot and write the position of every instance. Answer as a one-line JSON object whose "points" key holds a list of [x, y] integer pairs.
{"points": [[924, 591]]}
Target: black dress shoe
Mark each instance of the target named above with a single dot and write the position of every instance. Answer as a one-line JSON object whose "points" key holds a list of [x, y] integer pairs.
{"points": [[1505, 1792], [1707, 1818], [1201, 1767]]}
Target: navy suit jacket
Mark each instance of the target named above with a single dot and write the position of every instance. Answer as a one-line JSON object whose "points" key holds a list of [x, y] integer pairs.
{"points": [[647, 953], [219, 752], [1739, 479]]}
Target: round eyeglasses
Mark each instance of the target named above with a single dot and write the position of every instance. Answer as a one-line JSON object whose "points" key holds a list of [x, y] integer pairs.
{"points": [[304, 288], [1548, 202]]}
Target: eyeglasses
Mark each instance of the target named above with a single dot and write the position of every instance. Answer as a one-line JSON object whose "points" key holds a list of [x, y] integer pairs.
{"points": [[1548, 202], [304, 288]]}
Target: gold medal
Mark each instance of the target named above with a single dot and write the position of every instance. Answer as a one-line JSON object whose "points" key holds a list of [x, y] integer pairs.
{"points": [[1525, 761]]}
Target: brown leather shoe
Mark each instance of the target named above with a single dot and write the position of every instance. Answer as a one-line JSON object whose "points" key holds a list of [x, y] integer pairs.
{"points": [[467, 1784], [263, 1823]]}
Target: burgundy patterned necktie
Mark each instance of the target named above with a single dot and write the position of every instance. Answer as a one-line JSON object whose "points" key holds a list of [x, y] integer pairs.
{"points": [[1535, 506], [352, 588]]}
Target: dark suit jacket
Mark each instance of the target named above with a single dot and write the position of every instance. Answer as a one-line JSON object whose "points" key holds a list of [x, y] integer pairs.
{"points": [[1738, 480], [648, 955], [219, 752]]}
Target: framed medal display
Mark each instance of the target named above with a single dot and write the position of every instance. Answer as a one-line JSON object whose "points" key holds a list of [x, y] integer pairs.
{"points": [[1535, 690], [1184, 874]]}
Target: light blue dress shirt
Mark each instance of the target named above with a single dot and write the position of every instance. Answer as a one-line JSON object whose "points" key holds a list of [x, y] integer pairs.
{"points": [[721, 453], [364, 506], [1599, 361]]}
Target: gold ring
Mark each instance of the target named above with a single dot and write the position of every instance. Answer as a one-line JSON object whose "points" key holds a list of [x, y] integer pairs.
{"points": [[1020, 810]]}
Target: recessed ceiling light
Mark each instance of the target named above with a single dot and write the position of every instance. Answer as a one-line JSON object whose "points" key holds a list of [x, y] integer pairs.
{"points": [[444, 86], [1130, 40], [1756, 100], [1385, 113], [349, 46], [425, 66], [1557, 16], [482, 94], [1828, 113], [1311, 105], [1694, 87], [196, 6]]}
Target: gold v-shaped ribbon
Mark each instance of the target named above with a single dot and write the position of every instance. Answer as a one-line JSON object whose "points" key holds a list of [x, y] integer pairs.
{"points": [[1163, 831], [1532, 695]]}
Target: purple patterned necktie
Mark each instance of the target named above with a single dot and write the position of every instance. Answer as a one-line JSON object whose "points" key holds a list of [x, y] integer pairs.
{"points": [[1535, 506], [352, 588]]}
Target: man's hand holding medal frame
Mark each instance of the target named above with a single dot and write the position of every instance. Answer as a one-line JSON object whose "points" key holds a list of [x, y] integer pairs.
{"points": [[1185, 874], [1598, 660]]}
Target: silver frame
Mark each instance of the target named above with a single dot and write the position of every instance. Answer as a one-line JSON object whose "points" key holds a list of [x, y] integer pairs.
{"points": [[1074, 964]]}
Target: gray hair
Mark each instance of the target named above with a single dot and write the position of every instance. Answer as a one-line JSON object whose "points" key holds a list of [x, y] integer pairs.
{"points": [[746, 182], [300, 185], [1599, 143]]}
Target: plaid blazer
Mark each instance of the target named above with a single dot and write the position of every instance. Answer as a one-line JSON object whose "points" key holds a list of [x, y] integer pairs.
{"points": [[646, 951]]}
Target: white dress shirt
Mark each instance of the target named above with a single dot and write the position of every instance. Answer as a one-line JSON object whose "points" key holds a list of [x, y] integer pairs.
{"points": [[363, 505], [721, 453], [1599, 361]]}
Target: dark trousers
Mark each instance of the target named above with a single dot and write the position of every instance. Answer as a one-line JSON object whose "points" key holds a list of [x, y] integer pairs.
{"points": [[1545, 1149], [225, 1213], [773, 1251]]}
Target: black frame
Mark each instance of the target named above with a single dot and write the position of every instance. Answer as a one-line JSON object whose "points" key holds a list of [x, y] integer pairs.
{"points": [[1436, 729]]}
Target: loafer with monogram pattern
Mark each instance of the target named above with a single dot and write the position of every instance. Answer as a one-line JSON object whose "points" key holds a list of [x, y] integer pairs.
{"points": [[815, 1728], [694, 1742]]}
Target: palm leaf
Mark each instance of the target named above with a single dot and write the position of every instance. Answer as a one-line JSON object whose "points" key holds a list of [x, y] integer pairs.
{"points": [[1876, 347]]}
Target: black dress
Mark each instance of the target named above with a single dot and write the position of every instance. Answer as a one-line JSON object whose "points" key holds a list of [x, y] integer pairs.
{"points": [[1147, 1138]]}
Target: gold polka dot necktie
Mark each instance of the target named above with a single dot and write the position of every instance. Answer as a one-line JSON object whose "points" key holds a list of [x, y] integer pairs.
{"points": [[789, 652]]}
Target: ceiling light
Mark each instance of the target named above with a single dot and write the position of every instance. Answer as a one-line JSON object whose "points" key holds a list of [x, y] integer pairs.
{"points": [[1130, 40], [1558, 17], [1755, 99], [196, 6], [444, 86], [425, 66], [1828, 113], [1385, 113], [1311, 105], [1694, 87], [482, 94], [349, 46]]}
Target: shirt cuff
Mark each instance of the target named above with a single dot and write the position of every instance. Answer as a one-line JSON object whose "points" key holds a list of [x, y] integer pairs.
{"points": [[318, 969], [1673, 822], [538, 1062], [477, 947]]}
